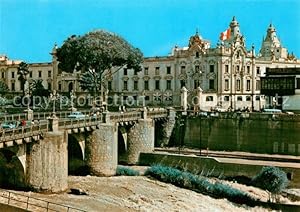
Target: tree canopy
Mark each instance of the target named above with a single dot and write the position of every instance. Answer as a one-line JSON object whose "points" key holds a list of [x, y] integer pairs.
{"points": [[97, 52]]}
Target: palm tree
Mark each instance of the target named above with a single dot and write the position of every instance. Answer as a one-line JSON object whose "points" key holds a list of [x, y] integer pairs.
{"points": [[22, 72], [38, 88]]}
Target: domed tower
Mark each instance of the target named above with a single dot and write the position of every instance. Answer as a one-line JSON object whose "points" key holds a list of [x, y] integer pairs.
{"points": [[271, 47], [197, 41], [233, 34]]}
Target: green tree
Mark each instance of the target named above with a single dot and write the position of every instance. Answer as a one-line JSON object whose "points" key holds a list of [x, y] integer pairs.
{"points": [[271, 179], [22, 72], [38, 88], [96, 53], [3, 87]]}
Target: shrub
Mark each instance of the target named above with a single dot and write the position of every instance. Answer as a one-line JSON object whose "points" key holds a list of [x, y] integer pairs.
{"points": [[271, 179], [122, 170], [199, 184]]}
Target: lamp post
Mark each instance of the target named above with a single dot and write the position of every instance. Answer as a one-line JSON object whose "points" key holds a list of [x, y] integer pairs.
{"points": [[53, 97], [200, 137]]}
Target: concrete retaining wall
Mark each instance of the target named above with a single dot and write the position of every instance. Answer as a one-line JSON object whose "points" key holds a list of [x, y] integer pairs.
{"points": [[257, 133]]}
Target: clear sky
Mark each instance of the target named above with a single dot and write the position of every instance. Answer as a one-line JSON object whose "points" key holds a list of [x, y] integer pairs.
{"points": [[29, 28]]}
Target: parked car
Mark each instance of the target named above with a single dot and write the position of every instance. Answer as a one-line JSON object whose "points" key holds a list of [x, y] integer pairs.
{"points": [[9, 125], [77, 115]]}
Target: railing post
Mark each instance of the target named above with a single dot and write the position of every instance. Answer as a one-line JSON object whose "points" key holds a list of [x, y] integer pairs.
{"points": [[8, 198], [27, 202], [144, 113], [106, 117]]}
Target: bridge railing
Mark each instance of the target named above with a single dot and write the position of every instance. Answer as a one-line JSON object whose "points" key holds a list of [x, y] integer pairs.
{"points": [[32, 203], [23, 132], [85, 122], [157, 113], [123, 117]]}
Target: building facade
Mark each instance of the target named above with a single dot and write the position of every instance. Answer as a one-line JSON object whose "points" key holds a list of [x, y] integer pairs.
{"points": [[228, 75]]}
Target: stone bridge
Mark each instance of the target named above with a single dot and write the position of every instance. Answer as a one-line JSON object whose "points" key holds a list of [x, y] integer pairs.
{"points": [[40, 155]]}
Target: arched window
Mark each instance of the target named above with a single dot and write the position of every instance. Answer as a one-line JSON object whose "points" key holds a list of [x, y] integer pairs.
{"points": [[197, 54], [209, 98], [70, 86]]}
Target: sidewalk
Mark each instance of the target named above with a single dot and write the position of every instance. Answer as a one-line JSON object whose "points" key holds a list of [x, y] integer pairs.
{"points": [[236, 155]]}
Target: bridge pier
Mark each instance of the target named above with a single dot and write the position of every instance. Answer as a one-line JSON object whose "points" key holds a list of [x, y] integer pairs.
{"points": [[102, 150], [140, 139], [47, 163], [168, 127]]}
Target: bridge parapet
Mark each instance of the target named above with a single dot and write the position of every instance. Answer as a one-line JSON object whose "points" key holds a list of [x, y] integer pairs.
{"points": [[10, 137], [124, 117], [160, 113]]}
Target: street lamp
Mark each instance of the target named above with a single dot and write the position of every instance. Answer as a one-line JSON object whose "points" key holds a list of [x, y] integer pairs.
{"points": [[54, 96], [200, 137]]}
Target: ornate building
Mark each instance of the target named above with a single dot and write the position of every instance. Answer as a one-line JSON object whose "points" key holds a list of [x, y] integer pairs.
{"points": [[228, 75]]}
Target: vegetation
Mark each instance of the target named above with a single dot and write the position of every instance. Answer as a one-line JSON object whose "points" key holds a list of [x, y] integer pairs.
{"points": [[3, 87], [22, 72], [200, 184], [38, 89], [271, 179], [96, 53], [122, 170]]}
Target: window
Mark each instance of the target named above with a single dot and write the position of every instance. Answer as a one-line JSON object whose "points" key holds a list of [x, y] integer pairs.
{"points": [[146, 85], [146, 70], [135, 85], [30, 74], [257, 98], [12, 74], [157, 84], [257, 85], [237, 68], [209, 98], [197, 68], [125, 72], [211, 84], [135, 72], [109, 85], [226, 68], [13, 86], [248, 98], [240, 98], [226, 84], [182, 70], [211, 68], [238, 85], [40, 74], [248, 69], [196, 84], [197, 54], [49, 73], [125, 85], [147, 98], [257, 70], [168, 69], [248, 85], [182, 83], [59, 86], [168, 84], [298, 83], [3, 75], [49, 86], [226, 98], [156, 70]]}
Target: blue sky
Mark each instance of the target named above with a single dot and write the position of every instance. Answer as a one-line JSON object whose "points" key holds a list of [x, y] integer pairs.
{"points": [[29, 28]]}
